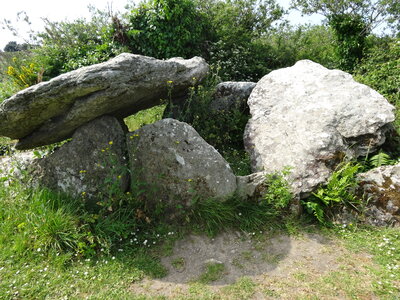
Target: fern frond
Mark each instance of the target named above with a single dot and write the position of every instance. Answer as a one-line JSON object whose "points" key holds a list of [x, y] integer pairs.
{"points": [[381, 159]]}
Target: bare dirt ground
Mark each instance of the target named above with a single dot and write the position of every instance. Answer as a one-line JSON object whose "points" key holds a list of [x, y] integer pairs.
{"points": [[310, 266]]}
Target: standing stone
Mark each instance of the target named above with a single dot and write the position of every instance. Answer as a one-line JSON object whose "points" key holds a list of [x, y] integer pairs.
{"points": [[232, 95], [309, 118], [92, 166], [50, 111], [175, 165]]}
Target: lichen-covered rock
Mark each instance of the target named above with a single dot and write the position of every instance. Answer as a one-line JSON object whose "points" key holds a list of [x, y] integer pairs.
{"points": [[51, 111], [93, 165], [232, 95], [380, 188], [308, 118], [175, 165], [227, 97]]}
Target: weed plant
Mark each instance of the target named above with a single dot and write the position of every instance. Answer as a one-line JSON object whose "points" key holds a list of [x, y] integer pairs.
{"points": [[277, 192]]}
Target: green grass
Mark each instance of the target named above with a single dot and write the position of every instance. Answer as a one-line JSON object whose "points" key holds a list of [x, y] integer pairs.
{"points": [[40, 255], [213, 272], [384, 245]]}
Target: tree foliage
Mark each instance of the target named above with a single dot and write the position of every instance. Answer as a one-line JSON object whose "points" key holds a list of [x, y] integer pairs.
{"points": [[350, 33], [351, 22], [13, 46], [223, 32], [239, 26], [165, 28], [68, 46], [380, 69]]}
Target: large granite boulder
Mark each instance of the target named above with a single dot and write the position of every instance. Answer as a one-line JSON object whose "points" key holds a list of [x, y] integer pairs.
{"points": [[380, 188], [50, 111], [308, 118], [172, 164], [94, 165]]}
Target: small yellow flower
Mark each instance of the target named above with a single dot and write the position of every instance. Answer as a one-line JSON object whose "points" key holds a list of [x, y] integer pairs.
{"points": [[102, 150], [169, 81], [83, 193], [119, 177], [190, 180], [177, 142], [110, 142], [10, 70], [82, 171]]}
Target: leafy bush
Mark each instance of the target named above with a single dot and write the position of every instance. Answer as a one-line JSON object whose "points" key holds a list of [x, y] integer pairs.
{"points": [[289, 44], [67, 46], [223, 32], [164, 29], [350, 33], [238, 26], [380, 70]]}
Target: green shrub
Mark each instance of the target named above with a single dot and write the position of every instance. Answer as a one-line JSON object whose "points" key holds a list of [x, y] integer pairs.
{"points": [[165, 28], [380, 70], [23, 72], [67, 46], [350, 31]]}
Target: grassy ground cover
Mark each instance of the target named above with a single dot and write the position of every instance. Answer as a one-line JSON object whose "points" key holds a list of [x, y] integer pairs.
{"points": [[52, 248]]}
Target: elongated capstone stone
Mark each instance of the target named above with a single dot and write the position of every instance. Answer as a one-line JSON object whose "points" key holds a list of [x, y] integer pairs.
{"points": [[51, 111]]}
